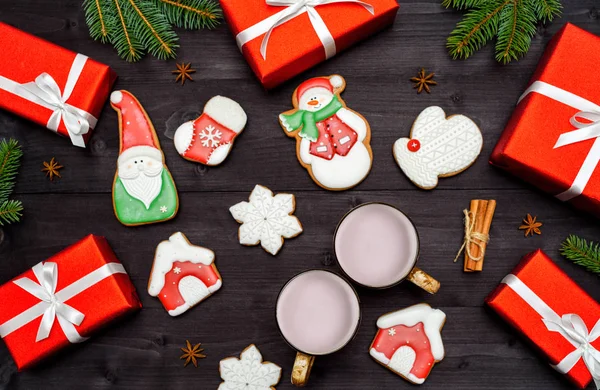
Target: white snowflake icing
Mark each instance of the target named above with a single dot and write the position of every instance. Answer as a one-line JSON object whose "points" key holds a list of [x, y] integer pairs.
{"points": [[163, 209], [210, 137], [248, 372], [392, 332], [177, 270], [266, 219]]}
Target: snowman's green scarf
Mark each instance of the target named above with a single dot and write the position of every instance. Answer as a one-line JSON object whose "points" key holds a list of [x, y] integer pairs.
{"points": [[308, 120]]}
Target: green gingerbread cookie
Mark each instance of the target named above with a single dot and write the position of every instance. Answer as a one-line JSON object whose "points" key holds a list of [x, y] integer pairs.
{"points": [[143, 191]]}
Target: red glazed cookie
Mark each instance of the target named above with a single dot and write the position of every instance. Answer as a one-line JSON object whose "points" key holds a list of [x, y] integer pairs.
{"points": [[183, 274], [409, 342]]}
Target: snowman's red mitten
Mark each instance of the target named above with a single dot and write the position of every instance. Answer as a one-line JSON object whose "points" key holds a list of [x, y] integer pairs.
{"points": [[209, 138]]}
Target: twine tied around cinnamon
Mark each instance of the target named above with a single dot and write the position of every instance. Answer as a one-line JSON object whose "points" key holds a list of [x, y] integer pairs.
{"points": [[472, 237]]}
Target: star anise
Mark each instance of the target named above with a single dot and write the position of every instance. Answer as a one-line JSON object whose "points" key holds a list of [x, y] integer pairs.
{"points": [[51, 168], [183, 72], [191, 354], [423, 81], [530, 225]]}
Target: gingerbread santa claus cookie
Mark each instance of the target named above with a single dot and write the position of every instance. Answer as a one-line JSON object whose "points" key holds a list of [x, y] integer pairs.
{"points": [[409, 342], [438, 147], [209, 138], [332, 141], [183, 275], [143, 190]]}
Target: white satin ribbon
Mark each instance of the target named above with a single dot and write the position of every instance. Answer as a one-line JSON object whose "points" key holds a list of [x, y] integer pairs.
{"points": [[589, 129], [44, 91], [52, 306], [295, 8], [570, 326]]}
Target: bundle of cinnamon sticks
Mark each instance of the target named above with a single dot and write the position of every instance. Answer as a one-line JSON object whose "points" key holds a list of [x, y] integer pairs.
{"points": [[482, 211]]}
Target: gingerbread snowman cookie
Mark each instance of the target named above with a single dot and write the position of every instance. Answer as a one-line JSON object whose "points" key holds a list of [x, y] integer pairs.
{"points": [[332, 141], [409, 341], [143, 189], [438, 147], [183, 275], [209, 138]]}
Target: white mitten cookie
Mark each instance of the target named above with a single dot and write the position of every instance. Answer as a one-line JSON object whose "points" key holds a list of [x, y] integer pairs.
{"points": [[438, 147]]}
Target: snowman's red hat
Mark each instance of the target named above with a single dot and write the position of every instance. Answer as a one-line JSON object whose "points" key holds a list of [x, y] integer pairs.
{"points": [[137, 134], [329, 84]]}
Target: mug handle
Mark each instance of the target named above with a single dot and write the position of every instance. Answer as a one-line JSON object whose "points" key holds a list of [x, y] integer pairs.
{"points": [[301, 371], [423, 280]]}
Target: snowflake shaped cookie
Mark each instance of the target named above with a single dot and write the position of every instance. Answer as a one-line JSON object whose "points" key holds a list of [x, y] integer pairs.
{"points": [[248, 372], [266, 219], [210, 137]]}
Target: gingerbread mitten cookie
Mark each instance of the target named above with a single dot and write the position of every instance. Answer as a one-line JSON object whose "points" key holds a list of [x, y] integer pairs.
{"points": [[438, 147], [209, 138], [143, 190]]}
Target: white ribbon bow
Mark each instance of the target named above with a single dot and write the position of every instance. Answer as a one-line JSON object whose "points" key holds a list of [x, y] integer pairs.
{"points": [[52, 306], [47, 275], [570, 326], [295, 8], [45, 92], [590, 129]]}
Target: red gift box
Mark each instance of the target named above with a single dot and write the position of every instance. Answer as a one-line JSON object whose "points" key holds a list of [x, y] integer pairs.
{"points": [[86, 288], [551, 140], [554, 313], [50, 85], [304, 33]]}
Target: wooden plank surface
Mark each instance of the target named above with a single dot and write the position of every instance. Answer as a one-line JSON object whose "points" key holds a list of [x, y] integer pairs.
{"points": [[142, 352]]}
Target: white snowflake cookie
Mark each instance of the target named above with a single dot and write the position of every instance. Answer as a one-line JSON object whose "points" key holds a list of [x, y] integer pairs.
{"points": [[409, 341], [249, 372], [266, 219], [438, 147], [208, 139]]}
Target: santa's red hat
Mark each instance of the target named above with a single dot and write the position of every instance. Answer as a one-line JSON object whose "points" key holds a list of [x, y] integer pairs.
{"points": [[137, 135], [329, 84]]}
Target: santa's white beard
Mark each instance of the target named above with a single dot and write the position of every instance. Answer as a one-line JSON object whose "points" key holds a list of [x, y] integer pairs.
{"points": [[143, 187]]}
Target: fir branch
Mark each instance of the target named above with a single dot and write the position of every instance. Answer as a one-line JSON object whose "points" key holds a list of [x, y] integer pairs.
{"points": [[153, 30], [98, 18], [10, 211], [191, 14], [134, 27], [517, 26], [10, 156], [546, 10], [476, 29], [513, 22], [582, 253], [124, 40]]}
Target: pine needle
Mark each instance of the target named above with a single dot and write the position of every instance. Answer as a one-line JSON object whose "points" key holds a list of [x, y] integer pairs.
{"points": [[513, 22], [10, 159], [135, 27], [191, 14], [10, 156], [582, 253], [10, 212]]}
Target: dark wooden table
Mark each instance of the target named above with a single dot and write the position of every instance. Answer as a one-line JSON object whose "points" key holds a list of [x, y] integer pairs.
{"points": [[143, 352]]}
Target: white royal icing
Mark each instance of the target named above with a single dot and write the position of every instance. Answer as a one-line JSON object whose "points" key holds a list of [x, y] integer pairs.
{"points": [[343, 172], [176, 249], [447, 147], [248, 372], [266, 219]]}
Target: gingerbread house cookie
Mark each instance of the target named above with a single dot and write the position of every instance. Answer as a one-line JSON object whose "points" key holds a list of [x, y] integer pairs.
{"points": [[183, 274], [409, 342]]}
